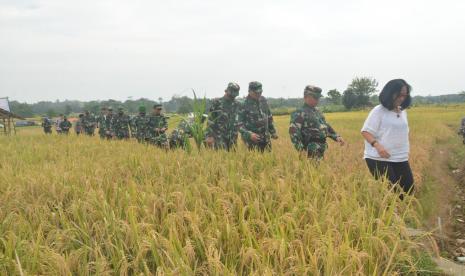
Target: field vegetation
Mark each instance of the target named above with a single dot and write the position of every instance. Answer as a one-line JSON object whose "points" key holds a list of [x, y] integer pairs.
{"points": [[81, 206]]}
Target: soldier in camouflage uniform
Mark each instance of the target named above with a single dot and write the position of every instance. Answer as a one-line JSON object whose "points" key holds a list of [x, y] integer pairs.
{"points": [[78, 127], [309, 129], [101, 122], [139, 125], [256, 121], [157, 127], [47, 125], [65, 125], [222, 126], [119, 125], [107, 124], [89, 123], [181, 134]]}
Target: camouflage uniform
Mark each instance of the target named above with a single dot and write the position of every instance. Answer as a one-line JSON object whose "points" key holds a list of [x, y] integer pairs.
{"points": [[119, 125], [222, 123], [65, 125], [101, 123], [160, 122], [308, 128], [78, 128], [47, 125], [107, 124], [140, 126], [255, 117], [179, 136], [88, 123]]}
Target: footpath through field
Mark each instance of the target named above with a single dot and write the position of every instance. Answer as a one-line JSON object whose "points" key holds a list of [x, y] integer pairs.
{"points": [[444, 196]]}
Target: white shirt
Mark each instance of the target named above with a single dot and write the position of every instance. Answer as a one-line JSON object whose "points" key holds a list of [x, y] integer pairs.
{"points": [[391, 131]]}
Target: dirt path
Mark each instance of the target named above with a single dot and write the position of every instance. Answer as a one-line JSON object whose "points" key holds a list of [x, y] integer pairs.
{"points": [[447, 222]]}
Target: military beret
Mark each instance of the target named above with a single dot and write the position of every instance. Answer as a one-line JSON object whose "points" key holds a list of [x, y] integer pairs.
{"points": [[157, 106], [255, 86], [313, 91], [232, 86], [141, 108]]}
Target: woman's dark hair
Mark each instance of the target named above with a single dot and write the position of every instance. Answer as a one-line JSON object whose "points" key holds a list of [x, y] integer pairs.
{"points": [[391, 91]]}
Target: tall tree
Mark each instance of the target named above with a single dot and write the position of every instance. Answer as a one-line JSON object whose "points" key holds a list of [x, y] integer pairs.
{"points": [[334, 96], [359, 92]]}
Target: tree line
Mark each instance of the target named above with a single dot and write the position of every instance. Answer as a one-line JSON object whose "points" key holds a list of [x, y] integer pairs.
{"points": [[360, 93]]}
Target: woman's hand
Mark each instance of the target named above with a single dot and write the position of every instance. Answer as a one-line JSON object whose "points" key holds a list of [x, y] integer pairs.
{"points": [[382, 151]]}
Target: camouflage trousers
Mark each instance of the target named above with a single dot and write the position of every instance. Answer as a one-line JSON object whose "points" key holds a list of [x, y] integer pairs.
{"points": [[260, 146], [120, 135], [316, 150], [89, 131], [178, 139], [222, 143], [160, 141]]}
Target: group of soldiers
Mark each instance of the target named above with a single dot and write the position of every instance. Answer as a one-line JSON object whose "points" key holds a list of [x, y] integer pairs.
{"points": [[226, 119]]}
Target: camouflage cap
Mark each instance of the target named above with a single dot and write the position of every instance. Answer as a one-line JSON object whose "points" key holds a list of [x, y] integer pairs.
{"points": [[157, 106], [255, 86], [120, 108], [232, 86], [142, 109], [314, 91], [110, 109]]}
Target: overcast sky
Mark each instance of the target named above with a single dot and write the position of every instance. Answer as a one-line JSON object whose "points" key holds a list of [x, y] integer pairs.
{"points": [[101, 49]]}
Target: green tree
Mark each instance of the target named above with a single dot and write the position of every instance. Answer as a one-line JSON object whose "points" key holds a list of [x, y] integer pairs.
{"points": [[184, 105], [68, 110], [349, 99], [22, 109], [334, 96], [359, 91], [51, 113]]}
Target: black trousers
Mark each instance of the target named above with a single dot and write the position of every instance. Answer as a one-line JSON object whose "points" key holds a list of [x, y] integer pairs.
{"points": [[396, 172]]}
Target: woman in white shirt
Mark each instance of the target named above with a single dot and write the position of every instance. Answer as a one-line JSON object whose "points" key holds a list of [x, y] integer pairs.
{"points": [[386, 134]]}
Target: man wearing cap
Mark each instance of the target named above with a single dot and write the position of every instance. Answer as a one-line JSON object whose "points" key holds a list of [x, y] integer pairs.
{"points": [[101, 119], [309, 129], [256, 121], [222, 126], [47, 125], [119, 125], [65, 125], [139, 125], [88, 123], [157, 127]]}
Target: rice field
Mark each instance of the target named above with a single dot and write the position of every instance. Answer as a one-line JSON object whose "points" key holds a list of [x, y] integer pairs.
{"points": [[82, 206]]}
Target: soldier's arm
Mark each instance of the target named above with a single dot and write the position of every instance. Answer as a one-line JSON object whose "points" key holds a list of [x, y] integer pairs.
{"points": [[331, 132], [165, 123], [242, 118], [295, 131], [271, 127], [212, 116]]}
